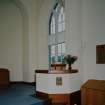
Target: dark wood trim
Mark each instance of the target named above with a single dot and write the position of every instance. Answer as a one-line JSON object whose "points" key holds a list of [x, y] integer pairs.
{"points": [[4, 77], [100, 54], [41, 94], [22, 82], [63, 71], [30, 83], [75, 98], [16, 82], [57, 71], [41, 71]]}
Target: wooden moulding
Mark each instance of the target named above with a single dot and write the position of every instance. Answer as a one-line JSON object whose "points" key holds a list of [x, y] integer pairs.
{"points": [[57, 71], [95, 84], [41, 71]]}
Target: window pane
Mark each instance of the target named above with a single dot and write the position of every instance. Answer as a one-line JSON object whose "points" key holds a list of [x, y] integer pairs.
{"points": [[63, 52], [63, 48], [63, 61], [54, 29], [59, 52], [61, 23], [59, 58], [51, 28], [52, 59], [59, 18], [53, 50], [59, 49], [52, 25], [53, 54], [59, 27], [63, 15], [62, 10], [53, 20], [57, 7], [63, 26]]}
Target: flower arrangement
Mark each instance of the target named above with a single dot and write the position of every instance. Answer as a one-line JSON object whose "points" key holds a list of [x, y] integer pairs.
{"points": [[69, 59]]}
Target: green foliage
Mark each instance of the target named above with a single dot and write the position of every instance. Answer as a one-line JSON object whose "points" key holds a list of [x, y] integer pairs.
{"points": [[69, 59]]}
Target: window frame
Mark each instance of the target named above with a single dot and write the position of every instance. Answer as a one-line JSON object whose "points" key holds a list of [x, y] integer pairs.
{"points": [[55, 12]]}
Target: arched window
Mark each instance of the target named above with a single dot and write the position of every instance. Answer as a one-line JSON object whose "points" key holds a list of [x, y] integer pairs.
{"points": [[56, 33]]}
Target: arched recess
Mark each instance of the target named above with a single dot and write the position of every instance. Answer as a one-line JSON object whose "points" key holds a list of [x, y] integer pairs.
{"points": [[25, 20]]}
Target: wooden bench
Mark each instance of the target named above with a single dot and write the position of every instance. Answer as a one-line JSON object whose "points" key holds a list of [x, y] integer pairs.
{"points": [[4, 77]]}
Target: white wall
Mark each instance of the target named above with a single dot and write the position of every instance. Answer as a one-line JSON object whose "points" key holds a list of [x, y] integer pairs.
{"points": [[30, 40], [24, 36], [18, 38], [84, 30], [93, 30], [73, 32], [44, 10], [11, 40]]}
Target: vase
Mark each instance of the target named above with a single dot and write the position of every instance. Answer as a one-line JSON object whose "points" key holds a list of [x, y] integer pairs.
{"points": [[68, 67]]}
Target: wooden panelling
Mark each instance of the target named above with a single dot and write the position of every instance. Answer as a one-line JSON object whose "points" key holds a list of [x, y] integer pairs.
{"points": [[41, 94], [4, 77], [62, 99], [93, 92], [100, 54]]}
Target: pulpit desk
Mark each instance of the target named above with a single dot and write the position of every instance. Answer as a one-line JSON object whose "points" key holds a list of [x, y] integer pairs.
{"points": [[58, 85]]}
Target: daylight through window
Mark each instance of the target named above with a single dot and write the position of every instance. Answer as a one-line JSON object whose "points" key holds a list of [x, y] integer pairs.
{"points": [[56, 33]]}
